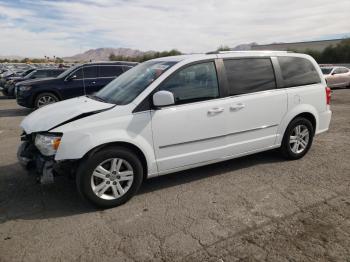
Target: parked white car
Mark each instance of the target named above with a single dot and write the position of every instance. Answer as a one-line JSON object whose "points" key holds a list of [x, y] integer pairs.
{"points": [[176, 113], [336, 76]]}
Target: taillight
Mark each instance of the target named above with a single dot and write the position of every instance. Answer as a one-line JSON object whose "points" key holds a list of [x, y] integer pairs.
{"points": [[328, 95]]}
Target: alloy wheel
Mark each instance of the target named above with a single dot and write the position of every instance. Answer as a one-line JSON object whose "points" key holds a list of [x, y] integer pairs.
{"points": [[112, 178], [299, 139], [46, 100]]}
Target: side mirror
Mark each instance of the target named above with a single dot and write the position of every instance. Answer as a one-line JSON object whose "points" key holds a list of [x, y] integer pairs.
{"points": [[71, 77], [334, 73], [163, 98]]}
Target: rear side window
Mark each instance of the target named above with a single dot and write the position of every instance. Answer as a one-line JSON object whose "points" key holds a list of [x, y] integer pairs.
{"points": [[89, 72], [193, 83], [41, 73], [297, 71], [110, 71], [249, 75], [344, 70]]}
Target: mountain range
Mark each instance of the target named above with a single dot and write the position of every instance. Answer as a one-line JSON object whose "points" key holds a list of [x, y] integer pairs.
{"points": [[102, 54]]}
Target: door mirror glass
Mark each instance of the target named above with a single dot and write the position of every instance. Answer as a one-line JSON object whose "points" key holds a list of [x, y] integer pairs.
{"points": [[72, 77], [163, 98]]}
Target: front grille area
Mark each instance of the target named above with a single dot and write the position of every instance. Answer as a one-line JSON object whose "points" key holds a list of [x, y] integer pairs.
{"points": [[27, 137]]}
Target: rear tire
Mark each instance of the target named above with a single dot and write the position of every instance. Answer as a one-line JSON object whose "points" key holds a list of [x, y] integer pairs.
{"points": [[297, 138], [11, 91], [110, 177], [44, 99]]}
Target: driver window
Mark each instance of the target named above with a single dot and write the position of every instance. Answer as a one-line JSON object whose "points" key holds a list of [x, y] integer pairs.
{"points": [[194, 83]]}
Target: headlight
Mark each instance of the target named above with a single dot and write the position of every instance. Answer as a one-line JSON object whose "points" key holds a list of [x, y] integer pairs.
{"points": [[48, 143], [24, 88]]}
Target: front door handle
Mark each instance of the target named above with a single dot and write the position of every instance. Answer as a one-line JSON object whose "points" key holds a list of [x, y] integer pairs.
{"points": [[93, 82], [237, 107], [216, 110]]}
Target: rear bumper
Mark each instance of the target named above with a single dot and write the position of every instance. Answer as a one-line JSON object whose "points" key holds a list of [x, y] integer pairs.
{"points": [[324, 121]]}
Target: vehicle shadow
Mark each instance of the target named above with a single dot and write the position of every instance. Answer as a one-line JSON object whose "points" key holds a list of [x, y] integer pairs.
{"points": [[6, 97], [22, 198], [14, 112]]}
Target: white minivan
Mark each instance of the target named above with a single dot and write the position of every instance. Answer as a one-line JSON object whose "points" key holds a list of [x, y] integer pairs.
{"points": [[175, 113]]}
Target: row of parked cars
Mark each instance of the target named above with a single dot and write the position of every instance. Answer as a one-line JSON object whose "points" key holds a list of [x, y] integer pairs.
{"points": [[37, 87], [11, 74]]}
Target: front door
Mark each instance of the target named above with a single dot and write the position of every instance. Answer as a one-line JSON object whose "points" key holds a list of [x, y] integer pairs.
{"points": [[193, 130]]}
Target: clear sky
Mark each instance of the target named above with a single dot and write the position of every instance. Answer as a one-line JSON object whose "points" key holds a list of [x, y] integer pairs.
{"points": [[36, 28]]}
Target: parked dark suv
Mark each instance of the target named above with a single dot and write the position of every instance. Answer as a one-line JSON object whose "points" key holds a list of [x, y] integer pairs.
{"points": [[75, 81], [9, 87]]}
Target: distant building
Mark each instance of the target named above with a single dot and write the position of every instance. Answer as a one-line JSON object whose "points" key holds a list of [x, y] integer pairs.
{"points": [[299, 46]]}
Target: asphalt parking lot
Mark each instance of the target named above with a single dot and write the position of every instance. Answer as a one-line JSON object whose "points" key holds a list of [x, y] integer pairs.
{"points": [[254, 208]]}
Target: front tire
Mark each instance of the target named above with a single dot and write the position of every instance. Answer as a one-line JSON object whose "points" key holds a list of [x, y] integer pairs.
{"points": [[44, 99], [297, 138], [110, 177]]}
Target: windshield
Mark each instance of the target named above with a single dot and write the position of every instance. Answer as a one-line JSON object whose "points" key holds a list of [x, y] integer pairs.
{"points": [[326, 71], [68, 71], [129, 85], [8, 73], [30, 74], [26, 72]]}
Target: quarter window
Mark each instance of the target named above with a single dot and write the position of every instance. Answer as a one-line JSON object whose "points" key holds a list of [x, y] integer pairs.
{"points": [[249, 75], [110, 71], [297, 71], [194, 83], [344, 70]]}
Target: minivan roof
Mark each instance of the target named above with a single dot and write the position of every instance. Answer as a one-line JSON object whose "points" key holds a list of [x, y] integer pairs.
{"points": [[220, 54]]}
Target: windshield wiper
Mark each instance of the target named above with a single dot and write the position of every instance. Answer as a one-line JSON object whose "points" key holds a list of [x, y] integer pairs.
{"points": [[97, 98]]}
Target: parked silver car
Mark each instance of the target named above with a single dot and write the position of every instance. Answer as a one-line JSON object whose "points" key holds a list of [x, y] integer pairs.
{"points": [[336, 76]]}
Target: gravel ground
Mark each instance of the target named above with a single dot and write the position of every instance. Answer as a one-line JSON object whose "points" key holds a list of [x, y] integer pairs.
{"points": [[254, 208]]}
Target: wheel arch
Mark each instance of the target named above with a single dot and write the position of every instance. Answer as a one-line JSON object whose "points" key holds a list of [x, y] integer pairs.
{"points": [[307, 112], [140, 154], [56, 93], [309, 116]]}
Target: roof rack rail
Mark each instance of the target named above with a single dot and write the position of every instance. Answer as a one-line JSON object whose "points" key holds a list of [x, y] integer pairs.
{"points": [[247, 51]]}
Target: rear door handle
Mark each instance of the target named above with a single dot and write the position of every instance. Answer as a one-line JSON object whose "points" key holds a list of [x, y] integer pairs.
{"points": [[237, 107], [93, 82], [216, 110]]}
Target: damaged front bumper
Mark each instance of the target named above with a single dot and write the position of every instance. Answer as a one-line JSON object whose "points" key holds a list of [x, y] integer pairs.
{"points": [[45, 168], [30, 158]]}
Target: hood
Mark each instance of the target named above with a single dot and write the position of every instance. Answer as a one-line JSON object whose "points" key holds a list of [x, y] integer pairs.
{"points": [[50, 116], [38, 81], [17, 78]]}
